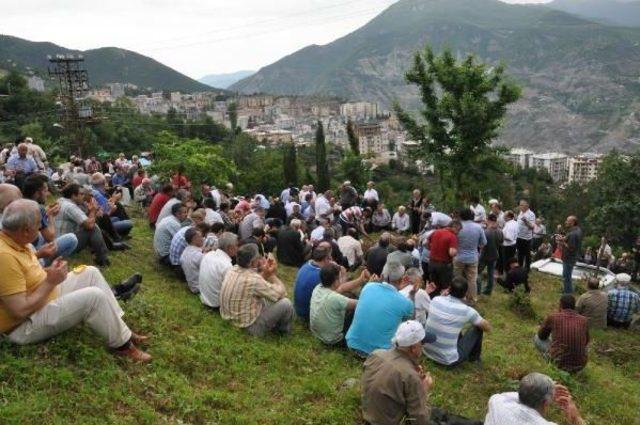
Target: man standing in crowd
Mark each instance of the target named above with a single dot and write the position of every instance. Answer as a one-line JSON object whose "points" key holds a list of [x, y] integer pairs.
{"points": [[571, 248], [509, 238], [37, 304], [479, 213], [370, 196], [447, 316], [623, 303], [536, 393], [564, 336], [593, 305], [489, 255], [443, 248], [526, 224], [253, 298], [394, 387], [415, 209], [471, 240]]}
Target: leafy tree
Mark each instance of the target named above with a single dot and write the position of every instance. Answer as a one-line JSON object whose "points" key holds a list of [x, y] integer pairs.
{"points": [[233, 117], [203, 162], [354, 143], [322, 167], [354, 169], [290, 164], [615, 197], [463, 107]]}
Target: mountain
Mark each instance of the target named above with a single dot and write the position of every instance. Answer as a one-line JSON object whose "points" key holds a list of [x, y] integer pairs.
{"points": [[105, 65], [580, 78], [225, 80], [614, 12]]}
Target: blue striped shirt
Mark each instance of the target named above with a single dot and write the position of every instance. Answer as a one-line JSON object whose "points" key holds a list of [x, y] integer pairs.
{"points": [[447, 317]]}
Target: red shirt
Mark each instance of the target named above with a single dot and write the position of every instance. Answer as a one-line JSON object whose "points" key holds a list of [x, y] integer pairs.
{"points": [[156, 206], [439, 243], [180, 181], [137, 180]]}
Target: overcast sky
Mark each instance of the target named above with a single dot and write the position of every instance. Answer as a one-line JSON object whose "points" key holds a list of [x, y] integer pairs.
{"points": [[195, 37]]}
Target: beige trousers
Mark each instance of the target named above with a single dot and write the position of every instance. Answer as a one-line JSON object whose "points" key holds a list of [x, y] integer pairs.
{"points": [[85, 297], [468, 272]]}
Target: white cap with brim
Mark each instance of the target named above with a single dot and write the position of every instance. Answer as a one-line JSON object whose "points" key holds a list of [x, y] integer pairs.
{"points": [[411, 332], [494, 201], [623, 278]]}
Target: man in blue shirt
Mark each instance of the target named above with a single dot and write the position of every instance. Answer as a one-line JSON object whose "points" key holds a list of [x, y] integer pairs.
{"points": [[111, 208], [471, 239], [380, 310], [307, 279], [623, 303], [21, 165]]}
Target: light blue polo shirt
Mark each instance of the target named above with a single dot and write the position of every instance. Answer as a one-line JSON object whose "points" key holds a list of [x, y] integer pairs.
{"points": [[470, 238], [380, 310]]}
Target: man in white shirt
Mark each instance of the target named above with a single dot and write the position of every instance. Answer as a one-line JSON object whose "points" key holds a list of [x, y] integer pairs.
{"points": [[526, 224], [351, 248], [418, 296], [323, 205], [213, 268], [318, 233], [371, 197], [191, 258], [401, 221], [510, 235], [496, 209], [536, 393], [211, 215], [479, 213]]}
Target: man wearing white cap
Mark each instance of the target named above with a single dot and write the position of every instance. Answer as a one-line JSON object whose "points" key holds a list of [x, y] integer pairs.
{"points": [[623, 303], [394, 386]]}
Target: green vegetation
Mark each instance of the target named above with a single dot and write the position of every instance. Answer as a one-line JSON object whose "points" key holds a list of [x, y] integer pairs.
{"points": [[205, 371]]}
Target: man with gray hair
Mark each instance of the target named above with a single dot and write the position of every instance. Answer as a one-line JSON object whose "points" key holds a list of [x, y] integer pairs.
{"points": [[529, 405], [381, 308], [252, 297], [213, 268], [37, 303]]}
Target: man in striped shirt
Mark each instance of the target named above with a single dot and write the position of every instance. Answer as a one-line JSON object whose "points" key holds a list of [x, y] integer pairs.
{"points": [[252, 297], [447, 316], [623, 303], [564, 336]]}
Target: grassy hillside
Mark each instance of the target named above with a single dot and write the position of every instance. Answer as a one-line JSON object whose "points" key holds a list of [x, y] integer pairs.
{"points": [[205, 371], [105, 65]]}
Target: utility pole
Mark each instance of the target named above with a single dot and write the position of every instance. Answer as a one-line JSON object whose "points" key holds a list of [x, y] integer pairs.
{"points": [[74, 86]]}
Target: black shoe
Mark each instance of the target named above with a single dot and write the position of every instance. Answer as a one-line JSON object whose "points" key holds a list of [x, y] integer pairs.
{"points": [[127, 284], [127, 294], [103, 263], [120, 246]]}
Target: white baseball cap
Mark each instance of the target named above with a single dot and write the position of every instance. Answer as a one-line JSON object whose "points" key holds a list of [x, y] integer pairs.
{"points": [[494, 201], [411, 332], [623, 278]]}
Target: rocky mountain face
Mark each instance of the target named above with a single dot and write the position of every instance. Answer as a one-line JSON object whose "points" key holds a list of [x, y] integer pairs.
{"points": [[624, 13], [581, 79]]}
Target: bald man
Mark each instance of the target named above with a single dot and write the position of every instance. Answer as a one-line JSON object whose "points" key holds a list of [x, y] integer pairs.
{"points": [[571, 247], [8, 194]]}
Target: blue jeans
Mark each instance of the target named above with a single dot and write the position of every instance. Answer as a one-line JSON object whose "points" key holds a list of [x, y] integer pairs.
{"points": [[567, 272], [66, 245], [469, 346], [123, 227], [491, 268]]}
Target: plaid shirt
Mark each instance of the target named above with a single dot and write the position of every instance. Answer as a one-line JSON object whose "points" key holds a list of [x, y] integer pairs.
{"points": [[623, 304], [178, 245], [243, 294], [569, 338]]}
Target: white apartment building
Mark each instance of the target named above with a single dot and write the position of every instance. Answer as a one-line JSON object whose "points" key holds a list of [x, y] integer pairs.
{"points": [[35, 83], [359, 111], [370, 138], [584, 168], [519, 157], [556, 164]]}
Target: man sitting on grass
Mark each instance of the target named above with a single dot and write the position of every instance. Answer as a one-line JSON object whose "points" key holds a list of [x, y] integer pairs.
{"points": [[37, 303], [448, 314], [381, 308], [252, 297], [593, 305], [564, 336], [394, 386], [331, 312], [307, 279], [623, 303], [191, 258], [536, 393], [214, 267], [165, 231]]}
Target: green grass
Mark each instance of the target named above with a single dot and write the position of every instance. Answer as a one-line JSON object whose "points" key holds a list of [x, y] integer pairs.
{"points": [[205, 371]]}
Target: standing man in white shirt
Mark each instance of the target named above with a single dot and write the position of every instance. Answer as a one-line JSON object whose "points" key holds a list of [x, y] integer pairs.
{"points": [[510, 235], [526, 224], [323, 206], [529, 405], [213, 268], [479, 213], [370, 196]]}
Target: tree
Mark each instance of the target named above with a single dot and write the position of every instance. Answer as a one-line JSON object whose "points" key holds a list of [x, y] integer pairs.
{"points": [[463, 105], [615, 196], [290, 164], [322, 167], [233, 117], [202, 161], [354, 169], [354, 143]]}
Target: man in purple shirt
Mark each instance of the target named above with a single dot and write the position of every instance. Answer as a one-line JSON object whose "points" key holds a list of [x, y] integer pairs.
{"points": [[471, 239]]}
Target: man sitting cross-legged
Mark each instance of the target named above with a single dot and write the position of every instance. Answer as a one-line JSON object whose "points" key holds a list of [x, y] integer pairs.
{"points": [[255, 300], [447, 316], [331, 312], [37, 303]]}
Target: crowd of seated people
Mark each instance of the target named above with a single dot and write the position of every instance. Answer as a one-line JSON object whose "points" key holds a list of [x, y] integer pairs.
{"points": [[413, 292]]}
